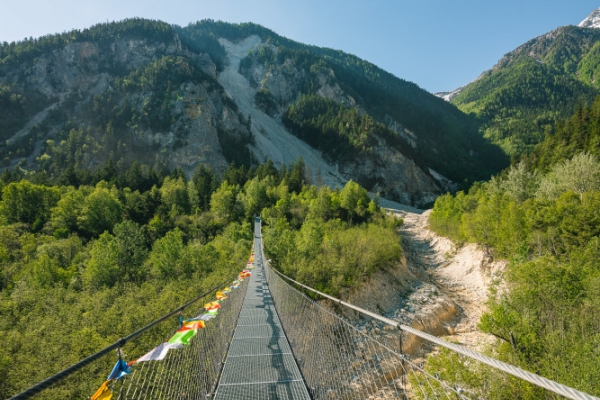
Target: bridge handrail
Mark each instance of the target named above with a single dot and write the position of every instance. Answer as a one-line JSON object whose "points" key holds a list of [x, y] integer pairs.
{"points": [[502, 366], [35, 389]]}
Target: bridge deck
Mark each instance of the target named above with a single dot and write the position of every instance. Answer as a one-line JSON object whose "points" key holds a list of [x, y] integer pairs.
{"points": [[260, 363]]}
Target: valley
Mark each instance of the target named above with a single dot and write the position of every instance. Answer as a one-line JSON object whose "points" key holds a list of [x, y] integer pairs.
{"points": [[135, 155]]}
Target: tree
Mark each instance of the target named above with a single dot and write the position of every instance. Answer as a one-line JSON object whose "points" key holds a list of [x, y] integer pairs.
{"points": [[295, 180], [101, 211], [354, 199], [266, 169], [254, 197], [166, 254], [174, 195], [205, 183], [65, 215], [223, 202], [102, 269], [521, 184], [131, 250], [28, 203], [579, 174]]}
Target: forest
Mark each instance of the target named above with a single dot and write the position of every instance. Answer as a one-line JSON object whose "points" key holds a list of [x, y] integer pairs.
{"points": [[541, 214], [95, 254]]}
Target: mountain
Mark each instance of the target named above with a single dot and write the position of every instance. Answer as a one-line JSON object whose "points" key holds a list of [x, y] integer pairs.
{"points": [[214, 93], [540, 82], [592, 21]]}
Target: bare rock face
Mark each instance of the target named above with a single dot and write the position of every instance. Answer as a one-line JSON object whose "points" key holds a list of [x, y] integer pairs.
{"points": [[283, 83], [196, 114], [82, 70], [395, 176], [71, 69], [206, 110], [385, 170]]}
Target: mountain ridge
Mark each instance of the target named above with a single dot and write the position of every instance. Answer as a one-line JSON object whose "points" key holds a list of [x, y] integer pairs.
{"points": [[142, 90], [543, 80]]}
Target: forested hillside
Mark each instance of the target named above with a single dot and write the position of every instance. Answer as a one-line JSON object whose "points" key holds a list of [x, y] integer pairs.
{"points": [[142, 90], [519, 100], [579, 133], [421, 126], [97, 254], [541, 215]]}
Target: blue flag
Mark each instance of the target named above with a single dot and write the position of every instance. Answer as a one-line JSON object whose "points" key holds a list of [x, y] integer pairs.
{"points": [[120, 370]]}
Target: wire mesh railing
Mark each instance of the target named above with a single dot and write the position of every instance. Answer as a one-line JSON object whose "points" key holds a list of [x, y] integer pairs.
{"points": [[187, 371], [190, 372], [339, 361]]}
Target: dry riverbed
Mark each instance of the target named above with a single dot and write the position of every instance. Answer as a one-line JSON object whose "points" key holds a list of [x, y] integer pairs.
{"points": [[441, 288]]}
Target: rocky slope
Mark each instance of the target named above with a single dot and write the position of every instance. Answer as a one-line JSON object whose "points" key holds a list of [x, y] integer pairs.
{"points": [[213, 93], [271, 139]]}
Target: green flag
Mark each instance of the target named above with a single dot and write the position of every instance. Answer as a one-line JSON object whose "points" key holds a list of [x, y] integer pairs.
{"points": [[183, 337]]}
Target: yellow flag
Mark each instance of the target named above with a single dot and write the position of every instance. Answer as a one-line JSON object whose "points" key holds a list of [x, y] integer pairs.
{"points": [[103, 393], [220, 296]]}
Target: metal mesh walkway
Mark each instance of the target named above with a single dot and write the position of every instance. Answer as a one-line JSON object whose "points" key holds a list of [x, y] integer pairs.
{"points": [[260, 363]]}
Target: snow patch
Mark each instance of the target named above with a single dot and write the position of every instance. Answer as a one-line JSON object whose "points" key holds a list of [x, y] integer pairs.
{"points": [[592, 21], [448, 96]]}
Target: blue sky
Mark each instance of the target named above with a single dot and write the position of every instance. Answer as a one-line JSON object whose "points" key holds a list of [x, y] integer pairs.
{"points": [[437, 44]]}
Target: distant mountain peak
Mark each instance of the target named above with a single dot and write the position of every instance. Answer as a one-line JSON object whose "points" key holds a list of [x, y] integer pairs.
{"points": [[592, 21]]}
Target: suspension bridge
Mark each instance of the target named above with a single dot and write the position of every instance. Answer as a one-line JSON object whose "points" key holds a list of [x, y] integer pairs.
{"points": [[270, 340]]}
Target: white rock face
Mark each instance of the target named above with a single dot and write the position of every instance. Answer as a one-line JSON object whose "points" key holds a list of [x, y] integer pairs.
{"points": [[592, 21], [272, 140], [448, 96], [386, 170]]}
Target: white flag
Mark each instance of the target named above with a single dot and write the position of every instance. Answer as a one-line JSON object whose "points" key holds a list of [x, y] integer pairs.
{"points": [[206, 317], [159, 352]]}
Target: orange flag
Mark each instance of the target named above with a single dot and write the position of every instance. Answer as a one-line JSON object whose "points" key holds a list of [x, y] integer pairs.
{"points": [[194, 325]]}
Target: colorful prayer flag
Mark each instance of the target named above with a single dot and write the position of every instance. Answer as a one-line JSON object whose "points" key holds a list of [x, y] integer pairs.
{"points": [[194, 325], [159, 352], [220, 296], [119, 370], [182, 337], [208, 316], [201, 317], [104, 393]]}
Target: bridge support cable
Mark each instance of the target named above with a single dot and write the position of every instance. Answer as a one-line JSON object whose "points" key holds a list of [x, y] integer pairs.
{"points": [[327, 344]]}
